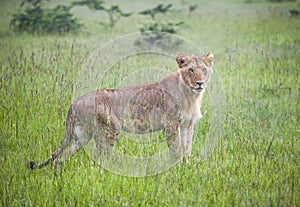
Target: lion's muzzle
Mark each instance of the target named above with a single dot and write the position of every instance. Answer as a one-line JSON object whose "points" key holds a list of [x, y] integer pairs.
{"points": [[200, 85]]}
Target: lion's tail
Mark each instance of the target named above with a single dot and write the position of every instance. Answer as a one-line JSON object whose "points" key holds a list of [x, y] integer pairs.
{"points": [[32, 164]]}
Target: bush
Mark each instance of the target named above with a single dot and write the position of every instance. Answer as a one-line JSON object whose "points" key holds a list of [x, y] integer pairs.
{"points": [[168, 27], [34, 19], [157, 35], [155, 32]]}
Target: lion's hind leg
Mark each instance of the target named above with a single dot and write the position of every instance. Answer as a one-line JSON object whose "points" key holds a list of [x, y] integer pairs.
{"points": [[74, 139]]}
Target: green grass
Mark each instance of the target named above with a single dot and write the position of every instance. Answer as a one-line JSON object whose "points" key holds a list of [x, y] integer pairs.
{"points": [[256, 163]]}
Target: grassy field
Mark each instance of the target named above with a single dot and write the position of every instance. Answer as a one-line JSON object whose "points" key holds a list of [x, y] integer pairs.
{"points": [[257, 160]]}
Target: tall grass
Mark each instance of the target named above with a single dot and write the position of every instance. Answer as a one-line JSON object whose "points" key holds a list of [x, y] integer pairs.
{"points": [[256, 163]]}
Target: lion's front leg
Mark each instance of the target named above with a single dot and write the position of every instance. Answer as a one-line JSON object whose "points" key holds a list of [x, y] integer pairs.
{"points": [[173, 136], [188, 141], [184, 140], [187, 129], [108, 127]]}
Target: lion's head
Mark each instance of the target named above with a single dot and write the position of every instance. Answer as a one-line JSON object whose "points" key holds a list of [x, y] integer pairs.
{"points": [[194, 71]]}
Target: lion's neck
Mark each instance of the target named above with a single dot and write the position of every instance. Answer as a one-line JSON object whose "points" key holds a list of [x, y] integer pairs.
{"points": [[188, 100]]}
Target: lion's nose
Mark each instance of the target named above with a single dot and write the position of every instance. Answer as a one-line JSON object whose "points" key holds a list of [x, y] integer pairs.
{"points": [[200, 83]]}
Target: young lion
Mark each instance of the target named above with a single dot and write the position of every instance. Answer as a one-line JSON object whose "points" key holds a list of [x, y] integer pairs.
{"points": [[172, 105]]}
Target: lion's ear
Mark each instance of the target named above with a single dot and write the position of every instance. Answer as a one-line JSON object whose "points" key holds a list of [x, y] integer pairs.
{"points": [[209, 59], [182, 60]]}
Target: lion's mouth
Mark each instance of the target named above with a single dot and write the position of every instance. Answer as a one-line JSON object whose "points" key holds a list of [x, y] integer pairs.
{"points": [[200, 87]]}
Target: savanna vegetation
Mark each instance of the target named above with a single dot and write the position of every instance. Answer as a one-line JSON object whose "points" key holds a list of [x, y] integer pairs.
{"points": [[256, 45]]}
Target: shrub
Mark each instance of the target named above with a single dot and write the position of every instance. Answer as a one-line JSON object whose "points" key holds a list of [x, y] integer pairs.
{"points": [[33, 18], [168, 27], [154, 32], [157, 34]]}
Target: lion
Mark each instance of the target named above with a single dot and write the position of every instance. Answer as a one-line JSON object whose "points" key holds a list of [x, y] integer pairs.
{"points": [[172, 105]]}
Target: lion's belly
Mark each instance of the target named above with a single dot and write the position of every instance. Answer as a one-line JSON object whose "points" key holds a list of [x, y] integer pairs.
{"points": [[143, 123]]}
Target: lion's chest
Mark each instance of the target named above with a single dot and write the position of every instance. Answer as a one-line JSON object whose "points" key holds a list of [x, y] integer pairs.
{"points": [[192, 111]]}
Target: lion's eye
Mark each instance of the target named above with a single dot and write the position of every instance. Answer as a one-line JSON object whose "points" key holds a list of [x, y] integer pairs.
{"points": [[191, 70], [204, 70]]}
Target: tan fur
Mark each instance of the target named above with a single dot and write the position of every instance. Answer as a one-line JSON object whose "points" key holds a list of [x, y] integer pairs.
{"points": [[172, 105]]}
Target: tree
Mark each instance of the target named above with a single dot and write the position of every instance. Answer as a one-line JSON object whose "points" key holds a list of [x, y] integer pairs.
{"points": [[93, 5], [156, 10], [192, 8], [114, 12], [155, 32]]}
